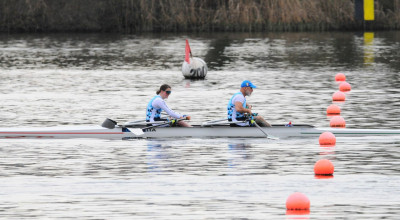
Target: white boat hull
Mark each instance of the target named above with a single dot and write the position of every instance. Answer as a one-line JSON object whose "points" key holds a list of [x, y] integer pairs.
{"points": [[279, 131]]}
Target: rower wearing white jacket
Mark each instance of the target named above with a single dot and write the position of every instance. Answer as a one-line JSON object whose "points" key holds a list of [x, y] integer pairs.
{"points": [[237, 107], [157, 104]]}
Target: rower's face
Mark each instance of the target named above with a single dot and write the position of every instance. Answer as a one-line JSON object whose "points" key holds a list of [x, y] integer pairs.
{"points": [[166, 93], [249, 90]]}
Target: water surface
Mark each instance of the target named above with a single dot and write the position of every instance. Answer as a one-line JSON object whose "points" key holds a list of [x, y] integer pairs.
{"points": [[49, 80]]}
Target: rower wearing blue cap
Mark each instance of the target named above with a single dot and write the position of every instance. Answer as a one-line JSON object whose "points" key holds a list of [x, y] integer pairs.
{"points": [[237, 107]]}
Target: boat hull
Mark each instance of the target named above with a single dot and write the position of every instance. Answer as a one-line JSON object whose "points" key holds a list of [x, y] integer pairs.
{"points": [[279, 131]]}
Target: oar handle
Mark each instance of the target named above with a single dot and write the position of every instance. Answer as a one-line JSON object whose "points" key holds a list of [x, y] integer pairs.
{"points": [[179, 119]]}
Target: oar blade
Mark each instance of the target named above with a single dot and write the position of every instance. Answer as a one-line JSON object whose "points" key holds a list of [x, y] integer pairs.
{"points": [[272, 137], [108, 123]]}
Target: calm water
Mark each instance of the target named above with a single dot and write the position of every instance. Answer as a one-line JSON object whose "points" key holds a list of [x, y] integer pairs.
{"points": [[49, 80]]}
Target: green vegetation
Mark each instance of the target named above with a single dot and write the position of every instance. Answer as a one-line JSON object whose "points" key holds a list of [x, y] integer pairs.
{"points": [[130, 16]]}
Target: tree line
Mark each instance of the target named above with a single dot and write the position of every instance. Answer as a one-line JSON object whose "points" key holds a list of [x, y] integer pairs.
{"points": [[133, 16]]}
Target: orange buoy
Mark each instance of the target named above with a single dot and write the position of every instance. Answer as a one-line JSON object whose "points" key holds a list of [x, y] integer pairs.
{"points": [[324, 167], [337, 122], [338, 96], [297, 201], [327, 138], [333, 110], [340, 77], [344, 87]]}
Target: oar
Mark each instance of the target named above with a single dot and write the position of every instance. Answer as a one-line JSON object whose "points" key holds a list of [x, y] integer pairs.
{"points": [[218, 122], [140, 131], [208, 123], [262, 130], [110, 124], [138, 122]]}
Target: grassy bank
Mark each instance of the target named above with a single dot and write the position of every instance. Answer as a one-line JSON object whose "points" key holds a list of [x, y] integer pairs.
{"points": [[129, 16]]}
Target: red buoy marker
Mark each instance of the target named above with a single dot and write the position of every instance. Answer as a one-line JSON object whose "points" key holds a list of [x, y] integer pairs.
{"points": [[297, 201], [324, 167], [344, 87], [338, 96], [340, 77], [337, 122], [333, 110], [327, 139]]}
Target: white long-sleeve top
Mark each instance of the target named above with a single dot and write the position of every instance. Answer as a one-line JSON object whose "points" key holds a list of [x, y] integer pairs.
{"points": [[159, 103]]}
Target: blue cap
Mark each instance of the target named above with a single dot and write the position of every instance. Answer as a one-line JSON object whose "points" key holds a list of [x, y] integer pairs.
{"points": [[247, 83]]}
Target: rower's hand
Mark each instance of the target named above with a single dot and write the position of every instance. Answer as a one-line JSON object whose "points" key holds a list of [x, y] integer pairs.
{"points": [[187, 117], [248, 107]]}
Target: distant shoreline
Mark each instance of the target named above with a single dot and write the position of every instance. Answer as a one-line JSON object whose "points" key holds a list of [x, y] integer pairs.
{"points": [[135, 16]]}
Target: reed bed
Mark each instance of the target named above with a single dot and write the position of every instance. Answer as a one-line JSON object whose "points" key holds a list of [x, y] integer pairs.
{"points": [[130, 16]]}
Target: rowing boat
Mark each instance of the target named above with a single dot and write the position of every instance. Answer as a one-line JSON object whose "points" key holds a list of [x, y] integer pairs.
{"points": [[197, 131]]}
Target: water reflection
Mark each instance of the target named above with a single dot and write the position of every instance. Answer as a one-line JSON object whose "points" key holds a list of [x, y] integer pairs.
{"points": [[233, 159], [326, 150], [369, 57], [216, 57], [233, 51], [297, 214], [157, 156], [238, 154], [322, 177]]}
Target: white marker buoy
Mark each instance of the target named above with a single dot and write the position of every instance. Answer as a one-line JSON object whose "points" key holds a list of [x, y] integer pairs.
{"points": [[193, 67]]}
